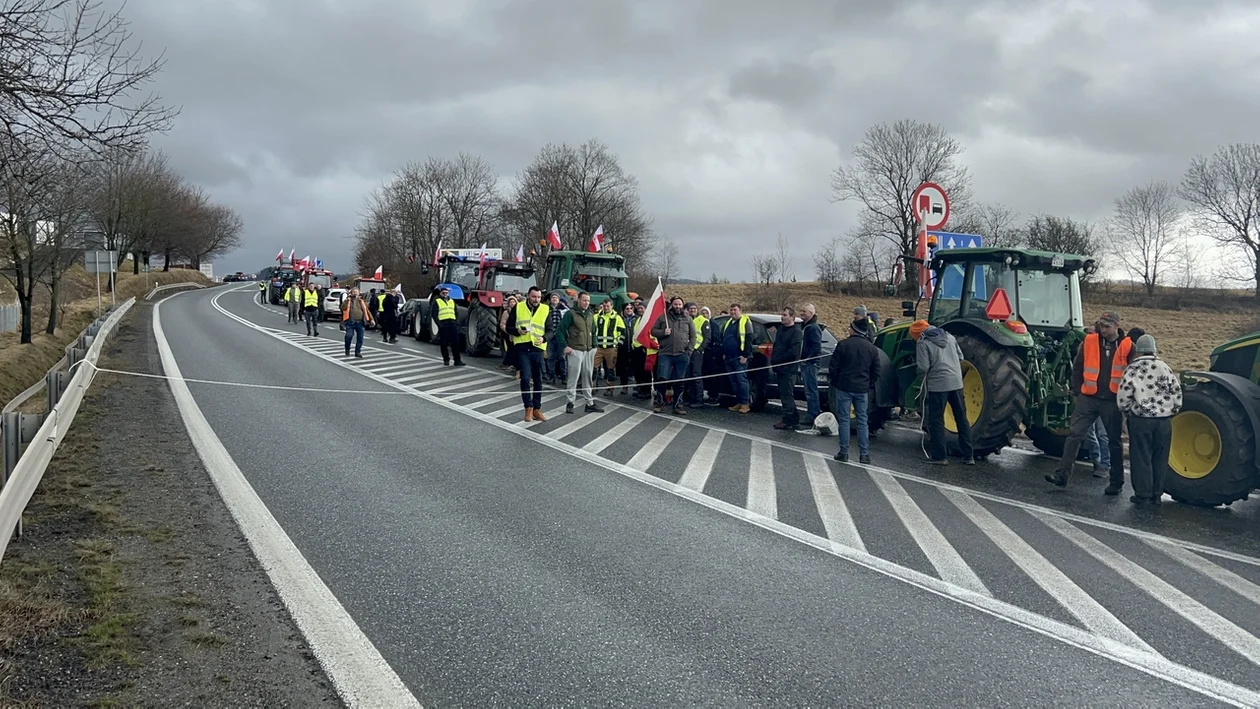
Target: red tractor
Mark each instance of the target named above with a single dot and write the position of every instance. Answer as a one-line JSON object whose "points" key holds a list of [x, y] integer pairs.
{"points": [[478, 288]]}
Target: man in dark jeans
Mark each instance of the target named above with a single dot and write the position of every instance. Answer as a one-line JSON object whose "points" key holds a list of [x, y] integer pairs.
{"points": [[785, 362], [529, 325], [355, 315], [940, 360], [675, 332], [851, 372]]}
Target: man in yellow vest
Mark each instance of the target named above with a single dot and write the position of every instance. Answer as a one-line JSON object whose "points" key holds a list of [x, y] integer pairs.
{"points": [[448, 327], [736, 341], [531, 329], [262, 292], [311, 312], [294, 298], [609, 331], [695, 388]]}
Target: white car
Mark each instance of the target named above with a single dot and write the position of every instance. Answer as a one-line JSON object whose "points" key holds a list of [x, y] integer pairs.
{"points": [[332, 303]]}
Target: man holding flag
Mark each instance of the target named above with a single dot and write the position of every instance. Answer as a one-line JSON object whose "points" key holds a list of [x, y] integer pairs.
{"points": [[676, 333]]}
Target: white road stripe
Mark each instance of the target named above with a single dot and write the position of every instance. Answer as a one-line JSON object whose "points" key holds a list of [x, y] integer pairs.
{"points": [[947, 561], [392, 367], [1207, 620], [616, 433], [439, 383], [495, 400], [520, 407], [1062, 589], [831, 508], [653, 449], [701, 464], [583, 420], [1223, 576], [762, 496]]}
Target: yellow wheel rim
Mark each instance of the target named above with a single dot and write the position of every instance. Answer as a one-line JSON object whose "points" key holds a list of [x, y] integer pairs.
{"points": [[973, 397], [1196, 445]]}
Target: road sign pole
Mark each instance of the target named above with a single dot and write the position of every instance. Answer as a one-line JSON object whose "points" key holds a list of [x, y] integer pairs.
{"points": [[96, 267]]}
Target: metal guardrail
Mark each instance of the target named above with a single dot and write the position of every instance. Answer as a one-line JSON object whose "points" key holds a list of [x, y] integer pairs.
{"points": [[10, 317], [169, 286], [23, 470]]}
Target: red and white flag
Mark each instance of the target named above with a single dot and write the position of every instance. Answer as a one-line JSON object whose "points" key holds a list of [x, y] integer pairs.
{"points": [[293, 256], [304, 264], [643, 328], [520, 253], [596, 243], [553, 236], [280, 256], [437, 254], [379, 273], [481, 257]]}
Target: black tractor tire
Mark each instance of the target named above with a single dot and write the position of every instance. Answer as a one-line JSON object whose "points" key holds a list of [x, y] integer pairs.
{"points": [[1005, 396], [1234, 477], [483, 331], [422, 323], [1052, 442]]}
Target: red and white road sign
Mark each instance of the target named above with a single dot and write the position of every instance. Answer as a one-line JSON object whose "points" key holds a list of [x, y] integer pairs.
{"points": [[929, 202]]}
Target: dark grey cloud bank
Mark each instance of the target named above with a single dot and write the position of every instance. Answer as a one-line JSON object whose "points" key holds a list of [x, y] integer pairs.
{"points": [[731, 113]]}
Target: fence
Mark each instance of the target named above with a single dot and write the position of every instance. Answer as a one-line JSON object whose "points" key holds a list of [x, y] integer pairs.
{"points": [[10, 317]]}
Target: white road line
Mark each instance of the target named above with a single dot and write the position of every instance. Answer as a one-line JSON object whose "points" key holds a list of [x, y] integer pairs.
{"points": [[831, 508], [616, 433], [583, 420], [701, 464], [1223, 576], [1062, 589], [502, 397], [520, 407], [653, 449], [438, 383], [762, 496], [355, 666], [947, 561], [394, 365], [1207, 620]]}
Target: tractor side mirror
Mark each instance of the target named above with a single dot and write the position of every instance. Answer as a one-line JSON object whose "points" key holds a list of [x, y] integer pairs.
{"points": [[889, 290], [907, 308]]}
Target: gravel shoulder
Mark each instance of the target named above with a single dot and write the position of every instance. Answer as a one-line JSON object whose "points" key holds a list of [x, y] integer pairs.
{"points": [[132, 584]]}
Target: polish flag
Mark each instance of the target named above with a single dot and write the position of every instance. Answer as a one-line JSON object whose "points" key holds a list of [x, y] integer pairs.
{"points": [[481, 257], [280, 256], [596, 243], [379, 273], [643, 328], [553, 236], [293, 256], [437, 254], [305, 263], [520, 253]]}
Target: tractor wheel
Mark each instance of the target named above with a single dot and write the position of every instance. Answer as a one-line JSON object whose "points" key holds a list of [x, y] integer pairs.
{"points": [[422, 323], [483, 330], [1212, 456], [995, 390], [1052, 441]]}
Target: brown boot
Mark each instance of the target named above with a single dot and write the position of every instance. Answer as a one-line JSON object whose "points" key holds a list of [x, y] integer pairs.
{"points": [[538, 415], [529, 415]]}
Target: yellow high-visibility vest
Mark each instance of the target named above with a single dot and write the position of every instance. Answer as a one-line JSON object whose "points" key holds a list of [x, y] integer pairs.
{"points": [[537, 322], [700, 321], [609, 327], [445, 309], [310, 299], [743, 329], [380, 301]]}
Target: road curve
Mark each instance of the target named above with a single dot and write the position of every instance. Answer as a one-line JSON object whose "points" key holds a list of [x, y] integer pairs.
{"points": [[493, 566]]}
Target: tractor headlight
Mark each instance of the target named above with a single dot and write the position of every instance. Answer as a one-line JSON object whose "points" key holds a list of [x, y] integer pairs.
{"points": [[1212, 361]]}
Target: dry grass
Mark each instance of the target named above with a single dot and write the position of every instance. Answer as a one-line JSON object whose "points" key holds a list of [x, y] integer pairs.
{"points": [[1185, 338], [23, 365]]}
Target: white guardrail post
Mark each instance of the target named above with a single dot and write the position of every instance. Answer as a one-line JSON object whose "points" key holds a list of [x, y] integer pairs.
{"points": [[30, 467]]}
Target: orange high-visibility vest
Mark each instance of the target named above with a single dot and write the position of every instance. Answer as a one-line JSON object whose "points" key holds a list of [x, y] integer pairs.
{"points": [[1093, 363]]}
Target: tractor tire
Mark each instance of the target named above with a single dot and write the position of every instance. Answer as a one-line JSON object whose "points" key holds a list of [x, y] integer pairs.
{"points": [[1212, 458], [1052, 441], [995, 389], [422, 323], [483, 332]]}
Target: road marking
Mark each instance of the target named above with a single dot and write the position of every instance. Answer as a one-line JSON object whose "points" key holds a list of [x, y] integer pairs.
{"points": [[582, 422], [701, 464], [500, 398], [1223, 576], [353, 664], [762, 496], [615, 433], [944, 557], [653, 449], [393, 367], [1062, 589], [1154, 665], [1210, 622], [831, 508]]}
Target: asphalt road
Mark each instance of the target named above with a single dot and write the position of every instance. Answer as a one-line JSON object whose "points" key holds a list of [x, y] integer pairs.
{"points": [[638, 559]]}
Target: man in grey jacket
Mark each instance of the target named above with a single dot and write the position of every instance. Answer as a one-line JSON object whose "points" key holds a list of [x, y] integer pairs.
{"points": [[676, 333], [940, 360]]}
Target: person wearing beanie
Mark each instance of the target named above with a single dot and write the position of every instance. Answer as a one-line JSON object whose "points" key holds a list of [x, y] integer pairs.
{"points": [[852, 371], [861, 314], [940, 361], [1150, 395]]}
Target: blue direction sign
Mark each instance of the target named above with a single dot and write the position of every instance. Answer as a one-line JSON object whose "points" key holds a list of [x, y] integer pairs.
{"points": [[952, 287]]}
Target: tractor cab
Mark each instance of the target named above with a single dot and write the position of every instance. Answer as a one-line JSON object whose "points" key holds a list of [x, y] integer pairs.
{"points": [[461, 271], [602, 275], [507, 277], [1025, 290]]}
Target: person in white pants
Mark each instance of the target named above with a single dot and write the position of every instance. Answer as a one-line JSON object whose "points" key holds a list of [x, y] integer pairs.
{"points": [[576, 339]]}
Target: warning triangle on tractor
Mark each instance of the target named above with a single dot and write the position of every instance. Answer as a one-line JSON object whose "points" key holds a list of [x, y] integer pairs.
{"points": [[999, 307]]}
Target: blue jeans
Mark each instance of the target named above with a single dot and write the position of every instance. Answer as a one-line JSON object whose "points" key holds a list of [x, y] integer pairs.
{"points": [[845, 400], [354, 331], [739, 379], [1098, 443], [555, 364], [669, 369], [530, 361], [809, 379]]}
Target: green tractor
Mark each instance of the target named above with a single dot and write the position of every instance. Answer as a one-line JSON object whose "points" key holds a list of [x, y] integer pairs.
{"points": [[1215, 451], [1017, 317], [602, 275]]}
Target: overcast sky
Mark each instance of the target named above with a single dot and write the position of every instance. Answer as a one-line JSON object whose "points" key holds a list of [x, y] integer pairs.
{"points": [[731, 113]]}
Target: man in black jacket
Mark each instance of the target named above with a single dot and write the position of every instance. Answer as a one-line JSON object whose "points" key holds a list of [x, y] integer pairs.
{"points": [[811, 351], [852, 371], [786, 360]]}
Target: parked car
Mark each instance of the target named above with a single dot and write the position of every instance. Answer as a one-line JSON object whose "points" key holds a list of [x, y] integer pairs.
{"points": [[332, 303], [410, 317], [762, 384]]}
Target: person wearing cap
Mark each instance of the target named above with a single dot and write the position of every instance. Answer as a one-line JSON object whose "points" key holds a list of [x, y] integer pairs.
{"points": [[851, 372], [1149, 397], [1096, 372], [448, 326], [940, 360], [861, 314]]}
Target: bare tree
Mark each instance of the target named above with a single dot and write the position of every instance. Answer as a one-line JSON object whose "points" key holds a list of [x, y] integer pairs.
{"points": [[1061, 235], [828, 267], [69, 182], [129, 194], [998, 224], [666, 261], [785, 271], [1190, 258], [765, 268], [888, 165], [1223, 192], [23, 186], [1142, 232]]}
